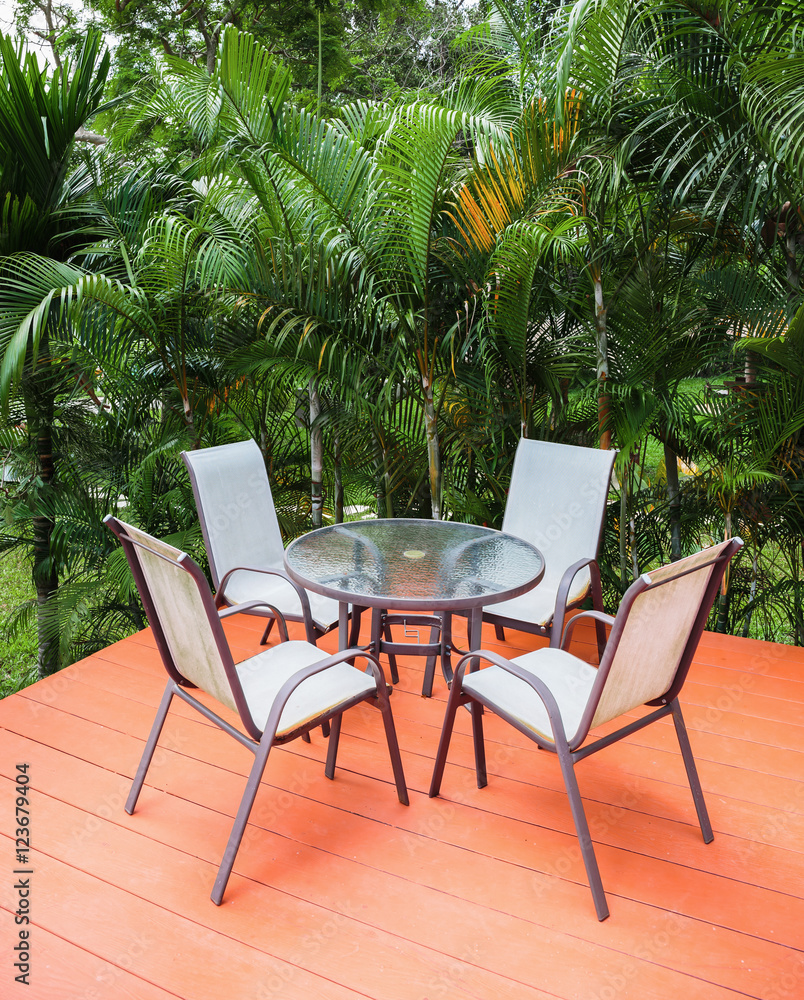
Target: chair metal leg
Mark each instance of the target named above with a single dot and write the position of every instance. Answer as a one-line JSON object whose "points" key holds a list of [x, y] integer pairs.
{"points": [[499, 632], [393, 745], [267, 631], [446, 735], [430, 662], [479, 744], [332, 749], [692, 773], [444, 634], [150, 746], [582, 830], [446, 647], [241, 819], [597, 604]]}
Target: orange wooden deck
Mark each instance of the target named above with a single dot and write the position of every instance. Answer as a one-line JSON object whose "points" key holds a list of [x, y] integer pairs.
{"points": [[339, 892]]}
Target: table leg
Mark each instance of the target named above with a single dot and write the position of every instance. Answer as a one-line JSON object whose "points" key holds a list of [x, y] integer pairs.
{"points": [[475, 632], [376, 631], [446, 646], [343, 625]]}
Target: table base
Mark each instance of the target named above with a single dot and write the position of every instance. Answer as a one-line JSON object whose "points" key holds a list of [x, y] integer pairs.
{"points": [[382, 642]]}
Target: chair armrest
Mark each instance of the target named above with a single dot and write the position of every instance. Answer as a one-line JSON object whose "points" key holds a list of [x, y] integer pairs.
{"points": [[560, 611], [598, 616], [536, 683], [220, 596], [235, 609], [311, 670]]}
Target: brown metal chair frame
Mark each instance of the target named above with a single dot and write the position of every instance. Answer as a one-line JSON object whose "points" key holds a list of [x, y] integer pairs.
{"points": [[569, 752], [259, 742], [312, 631], [553, 630]]}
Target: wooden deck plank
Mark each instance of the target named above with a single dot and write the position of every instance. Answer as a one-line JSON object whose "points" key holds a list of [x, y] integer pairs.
{"points": [[499, 889], [755, 806], [637, 838], [65, 970], [177, 953], [512, 758], [477, 893], [112, 706], [772, 738], [714, 691], [382, 962]]}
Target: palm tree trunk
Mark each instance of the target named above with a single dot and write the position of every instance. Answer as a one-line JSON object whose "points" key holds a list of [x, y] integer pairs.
{"points": [[723, 612], [433, 450], [623, 522], [751, 359], [752, 592], [793, 272], [316, 456], [725, 595], [189, 422], [336, 447], [382, 493], [798, 610], [602, 349], [674, 500], [45, 577], [39, 415]]}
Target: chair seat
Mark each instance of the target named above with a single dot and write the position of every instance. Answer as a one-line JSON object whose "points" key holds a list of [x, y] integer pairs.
{"points": [[569, 679], [248, 585], [263, 675], [537, 607]]}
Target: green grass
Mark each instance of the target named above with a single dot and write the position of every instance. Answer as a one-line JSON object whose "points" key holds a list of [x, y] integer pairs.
{"points": [[654, 454], [17, 651]]}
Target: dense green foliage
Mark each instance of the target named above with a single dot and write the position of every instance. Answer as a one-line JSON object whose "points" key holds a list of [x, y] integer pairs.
{"points": [[589, 231]]}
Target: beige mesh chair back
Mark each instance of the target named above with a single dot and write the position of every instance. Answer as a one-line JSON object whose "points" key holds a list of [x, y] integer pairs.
{"points": [[281, 693], [555, 698], [557, 502], [243, 540]]}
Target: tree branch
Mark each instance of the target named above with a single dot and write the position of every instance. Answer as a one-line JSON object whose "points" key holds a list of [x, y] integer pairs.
{"points": [[84, 135]]}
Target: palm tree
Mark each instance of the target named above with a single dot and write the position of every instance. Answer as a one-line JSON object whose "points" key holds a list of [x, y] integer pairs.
{"points": [[40, 184], [370, 189]]}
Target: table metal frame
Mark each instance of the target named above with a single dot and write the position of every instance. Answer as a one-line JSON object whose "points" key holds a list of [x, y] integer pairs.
{"points": [[381, 622]]}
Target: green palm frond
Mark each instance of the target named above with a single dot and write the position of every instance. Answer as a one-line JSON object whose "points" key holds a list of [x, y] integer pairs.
{"points": [[39, 117], [533, 179], [519, 251], [605, 41], [773, 98], [340, 175], [242, 98]]}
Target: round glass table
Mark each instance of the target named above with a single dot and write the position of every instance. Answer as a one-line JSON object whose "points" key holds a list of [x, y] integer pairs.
{"points": [[412, 565]]}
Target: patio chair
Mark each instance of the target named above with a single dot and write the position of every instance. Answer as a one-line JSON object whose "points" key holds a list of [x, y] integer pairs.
{"points": [[244, 543], [279, 694], [555, 699], [557, 502]]}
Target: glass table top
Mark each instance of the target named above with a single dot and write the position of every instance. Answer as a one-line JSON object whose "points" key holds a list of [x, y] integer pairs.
{"points": [[414, 564]]}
